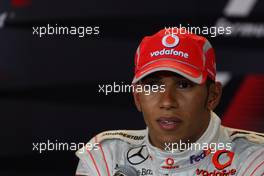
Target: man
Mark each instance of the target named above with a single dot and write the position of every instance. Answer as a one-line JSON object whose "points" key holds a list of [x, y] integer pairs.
{"points": [[183, 135]]}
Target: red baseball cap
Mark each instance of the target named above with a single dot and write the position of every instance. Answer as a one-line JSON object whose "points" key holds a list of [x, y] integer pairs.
{"points": [[187, 54]]}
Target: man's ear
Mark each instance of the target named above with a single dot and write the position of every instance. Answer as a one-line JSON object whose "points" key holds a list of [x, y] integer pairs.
{"points": [[215, 93], [137, 101]]}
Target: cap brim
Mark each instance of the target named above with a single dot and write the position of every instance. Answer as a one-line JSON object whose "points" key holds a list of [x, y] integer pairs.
{"points": [[166, 64]]}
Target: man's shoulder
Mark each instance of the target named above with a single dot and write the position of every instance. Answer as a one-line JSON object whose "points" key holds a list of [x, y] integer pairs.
{"points": [[105, 149], [114, 138], [133, 137], [243, 140], [250, 136], [248, 147]]}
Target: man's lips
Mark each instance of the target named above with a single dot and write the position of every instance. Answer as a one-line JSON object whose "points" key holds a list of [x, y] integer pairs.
{"points": [[169, 123]]}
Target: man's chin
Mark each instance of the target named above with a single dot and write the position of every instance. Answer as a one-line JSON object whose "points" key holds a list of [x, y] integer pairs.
{"points": [[171, 136]]}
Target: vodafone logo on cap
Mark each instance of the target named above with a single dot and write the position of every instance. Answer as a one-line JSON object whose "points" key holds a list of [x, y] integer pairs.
{"points": [[170, 40]]}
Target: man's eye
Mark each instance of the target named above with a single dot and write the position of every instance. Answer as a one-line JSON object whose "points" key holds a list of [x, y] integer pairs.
{"points": [[183, 84]]}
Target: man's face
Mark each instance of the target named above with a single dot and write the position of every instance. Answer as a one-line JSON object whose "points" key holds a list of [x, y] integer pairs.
{"points": [[179, 113]]}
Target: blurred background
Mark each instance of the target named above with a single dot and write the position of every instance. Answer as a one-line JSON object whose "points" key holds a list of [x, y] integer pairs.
{"points": [[49, 85]]}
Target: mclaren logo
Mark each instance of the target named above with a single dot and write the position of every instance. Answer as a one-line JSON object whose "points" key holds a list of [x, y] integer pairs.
{"points": [[137, 155], [170, 40]]}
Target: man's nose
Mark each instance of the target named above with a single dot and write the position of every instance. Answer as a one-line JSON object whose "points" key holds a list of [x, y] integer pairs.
{"points": [[168, 99]]}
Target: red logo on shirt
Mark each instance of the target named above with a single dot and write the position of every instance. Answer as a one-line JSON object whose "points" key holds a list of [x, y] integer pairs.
{"points": [[220, 166], [169, 164], [218, 154]]}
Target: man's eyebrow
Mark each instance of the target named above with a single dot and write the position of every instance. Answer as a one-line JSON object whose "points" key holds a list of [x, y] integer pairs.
{"points": [[180, 78]]}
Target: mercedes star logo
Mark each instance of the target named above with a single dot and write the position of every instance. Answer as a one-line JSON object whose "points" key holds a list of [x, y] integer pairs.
{"points": [[137, 155]]}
